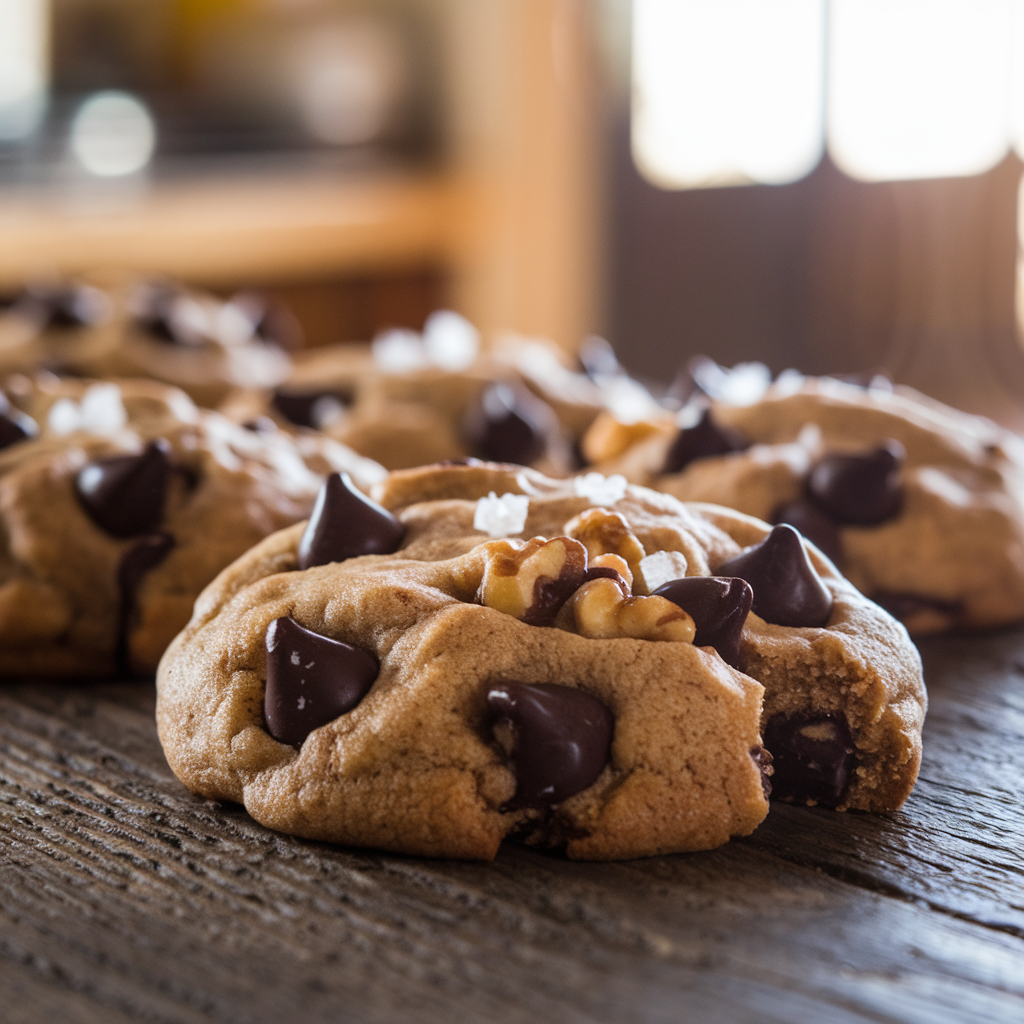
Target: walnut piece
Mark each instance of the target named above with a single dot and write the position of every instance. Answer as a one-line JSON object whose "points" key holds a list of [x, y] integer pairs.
{"points": [[603, 532], [607, 437], [601, 612], [532, 582]]}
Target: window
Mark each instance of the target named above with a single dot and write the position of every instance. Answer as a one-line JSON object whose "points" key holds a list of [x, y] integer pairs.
{"points": [[729, 92]]}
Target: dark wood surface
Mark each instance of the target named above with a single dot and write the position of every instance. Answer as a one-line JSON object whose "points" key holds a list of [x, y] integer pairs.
{"points": [[124, 898]]}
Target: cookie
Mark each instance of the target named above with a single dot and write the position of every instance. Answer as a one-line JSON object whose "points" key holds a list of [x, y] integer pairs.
{"points": [[52, 325], [920, 505], [119, 503], [195, 341], [410, 400], [486, 652]]}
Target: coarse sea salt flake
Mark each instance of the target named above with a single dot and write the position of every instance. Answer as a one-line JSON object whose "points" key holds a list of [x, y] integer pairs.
{"points": [[64, 416], [102, 410], [501, 517], [600, 489]]}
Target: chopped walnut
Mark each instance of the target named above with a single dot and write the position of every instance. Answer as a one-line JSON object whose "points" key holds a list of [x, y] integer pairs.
{"points": [[601, 612], [603, 532], [532, 582]]}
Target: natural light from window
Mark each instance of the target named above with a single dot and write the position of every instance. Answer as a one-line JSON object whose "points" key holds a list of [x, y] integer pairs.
{"points": [[23, 29], [727, 91], [919, 88]]}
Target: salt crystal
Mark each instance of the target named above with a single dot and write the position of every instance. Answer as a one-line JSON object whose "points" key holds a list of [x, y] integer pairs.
{"points": [[789, 382], [102, 410], [501, 517], [64, 417], [744, 384], [398, 351], [600, 489], [451, 341]]}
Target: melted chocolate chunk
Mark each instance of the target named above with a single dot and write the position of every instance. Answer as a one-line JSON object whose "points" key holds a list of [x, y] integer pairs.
{"points": [[763, 759], [861, 490], [311, 680], [903, 606], [145, 554], [718, 606], [261, 425], [64, 307], [813, 757], [704, 439], [345, 523], [15, 426], [507, 424], [560, 739], [817, 527], [125, 495], [787, 589], [156, 314], [272, 321], [313, 409]]}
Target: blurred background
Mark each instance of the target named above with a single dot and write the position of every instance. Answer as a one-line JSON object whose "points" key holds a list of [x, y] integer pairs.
{"points": [[826, 184]]}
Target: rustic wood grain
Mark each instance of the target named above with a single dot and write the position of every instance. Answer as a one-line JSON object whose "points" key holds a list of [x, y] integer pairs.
{"points": [[123, 898]]}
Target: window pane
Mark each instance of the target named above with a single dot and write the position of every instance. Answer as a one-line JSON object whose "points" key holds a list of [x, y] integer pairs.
{"points": [[727, 91], [919, 88], [22, 65]]}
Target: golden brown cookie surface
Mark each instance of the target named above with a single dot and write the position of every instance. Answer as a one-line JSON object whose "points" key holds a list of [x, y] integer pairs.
{"points": [[952, 551], [462, 613], [127, 503]]}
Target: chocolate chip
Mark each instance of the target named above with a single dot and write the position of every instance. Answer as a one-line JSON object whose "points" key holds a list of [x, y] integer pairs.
{"points": [[15, 426], [763, 759], [507, 424], [560, 738], [315, 409], [65, 307], [311, 680], [272, 321], [125, 495], [787, 589], [813, 757], [902, 605], [145, 554], [859, 489], [817, 527], [704, 439], [345, 523], [718, 606], [261, 425], [155, 314]]}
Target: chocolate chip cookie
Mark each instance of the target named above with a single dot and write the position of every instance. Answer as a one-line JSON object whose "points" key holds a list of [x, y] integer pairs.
{"points": [[412, 399], [482, 651], [920, 505], [195, 341], [119, 502], [50, 325]]}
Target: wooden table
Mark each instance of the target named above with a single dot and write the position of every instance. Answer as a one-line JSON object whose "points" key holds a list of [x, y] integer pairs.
{"points": [[123, 898]]}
